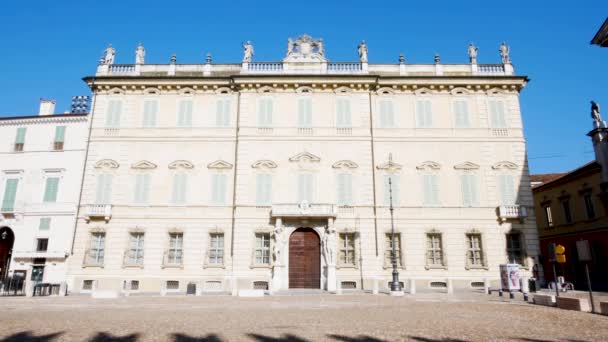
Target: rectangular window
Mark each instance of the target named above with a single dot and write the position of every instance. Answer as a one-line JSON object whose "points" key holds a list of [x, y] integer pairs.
{"points": [[184, 114], [507, 189], [222, 114], [343, 116], [589, 209], [347, 249], [218, 188], [113, 113], [20, 139], [216, 249], [136, 249], [470, 195], [394, 186], [179, 188], [430, 190], [10, 193], [262, 249], [104, 189], [497, 114], [59, 138], [150, 112], [45, 224], [345, 189], [97, 250], [42, 245], [567, 212], [50, 190], [174, 257], [514, 251], [387, 115], [548, 216], [265, 112], [474, 250], [305, 113], [142, 189], [461, 114], [263, 194], [424, 116], [305, 187], [388, 252], [434, 251]]}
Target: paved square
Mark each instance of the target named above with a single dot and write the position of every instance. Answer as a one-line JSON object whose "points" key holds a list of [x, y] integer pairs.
{"points": [[424, 317]]}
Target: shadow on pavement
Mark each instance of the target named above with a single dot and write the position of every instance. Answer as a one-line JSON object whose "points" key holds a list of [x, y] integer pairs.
{"points": [[105, 337], [426, 339], [26, 336], [360, 338], [186, 338], [285, 338]]}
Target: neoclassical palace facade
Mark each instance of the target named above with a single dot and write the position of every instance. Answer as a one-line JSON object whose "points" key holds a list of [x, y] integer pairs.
{"points": [[231, 177]]}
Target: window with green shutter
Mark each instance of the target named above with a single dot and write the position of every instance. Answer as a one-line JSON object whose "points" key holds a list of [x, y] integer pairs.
{"points": [[150, 111], [265, 108], [20, 139], [263, 189], [179, 188], [424, 118], [218, 188], [343, 116], [304, 113], [470, 197], [386, 113], [142, 188], [10, 193], [430, 189], [305, 187], [184, 115], [394, 186], [104, 189], [45, 223], [113, 113], [497, 114], [344, 189], [59, 138], [461, 114], [51, 188], [507, 189], [222, 115]]}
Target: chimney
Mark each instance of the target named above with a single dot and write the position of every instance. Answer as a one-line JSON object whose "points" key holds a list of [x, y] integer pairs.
{"points": [[47, 107]]}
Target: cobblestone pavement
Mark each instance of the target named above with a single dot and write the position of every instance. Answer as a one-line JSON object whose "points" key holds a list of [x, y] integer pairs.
{"points": [[353, 318]]}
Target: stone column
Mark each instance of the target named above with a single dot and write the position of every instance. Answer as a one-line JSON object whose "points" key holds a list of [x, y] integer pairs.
{"points": [[331, 266]]}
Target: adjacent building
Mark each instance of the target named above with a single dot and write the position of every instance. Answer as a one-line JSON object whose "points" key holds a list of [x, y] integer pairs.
{"points": [[41, 165], [278, 175], [601, 36]]}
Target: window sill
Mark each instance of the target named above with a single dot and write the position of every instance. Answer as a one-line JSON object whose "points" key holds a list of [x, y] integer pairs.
{"points": [[260, 266], [218, 266], [133, 266], [390, 267], [436, 267], [92, 266], [173, 266], [347, 266], [476, 267]]}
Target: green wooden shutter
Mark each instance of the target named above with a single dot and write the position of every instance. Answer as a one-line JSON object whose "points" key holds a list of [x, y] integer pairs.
{"points": [[150, 110], [104, 189], [50, 191], [184, 118], [497, 114], [113, 113], [218, 186], [461, 114], [305, 187], [45, 223], [421, 114], [60, 134], [20, 137], [507, 189], [142, 188], [469, 190], [428, 115], [305, 113], [343, 116], [179, 188], [10, 194], [431, 189]]}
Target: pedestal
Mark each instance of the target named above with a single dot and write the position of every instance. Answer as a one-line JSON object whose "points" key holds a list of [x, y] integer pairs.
{"points": [[278, 273], [331, 278], [412, 286], [397, 294]]}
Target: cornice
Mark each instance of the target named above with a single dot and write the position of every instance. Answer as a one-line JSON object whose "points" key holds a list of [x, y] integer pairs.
{"points": [[43, 119]]}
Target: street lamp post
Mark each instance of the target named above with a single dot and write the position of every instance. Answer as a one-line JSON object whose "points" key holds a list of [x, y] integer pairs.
{"points": [[395, 285]]}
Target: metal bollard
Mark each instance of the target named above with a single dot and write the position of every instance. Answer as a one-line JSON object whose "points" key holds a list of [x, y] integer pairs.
{"points": [[500, 293], [511, 295], [526, 296]]}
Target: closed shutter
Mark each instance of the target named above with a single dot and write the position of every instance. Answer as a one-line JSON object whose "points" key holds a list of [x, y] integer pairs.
{"points": [[305, 187], [60, 134], [263, 189], [343, 116], [461, 114], [142, 188], [265, 113], [45, 223], [222, 116], [218, 188], [305, 113], [430, 189], [113, 114], [387, 117], [10, 194], [184, 117], [345, 196], [150, 110], [20, 137], [395, 188], [470, 195], [50, 190], [497, 114], [179, 188], [507, 189], [104, 189], [424, 114]]}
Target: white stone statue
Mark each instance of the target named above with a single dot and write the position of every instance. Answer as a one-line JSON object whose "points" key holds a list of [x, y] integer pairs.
{"points": [[595, 112], [320, 47], [109, 54], [290, 46], [279, 244], [504, 53], [247, 52], [472, 53], [362, 51], [140, 54], [329, 246]]}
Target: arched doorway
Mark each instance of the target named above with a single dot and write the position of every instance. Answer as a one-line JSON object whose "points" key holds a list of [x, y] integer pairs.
{"points": [[304, 259], [7, 238]]}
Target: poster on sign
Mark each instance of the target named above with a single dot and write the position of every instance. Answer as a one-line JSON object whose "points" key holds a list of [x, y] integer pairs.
{"points": [[509, 277]]}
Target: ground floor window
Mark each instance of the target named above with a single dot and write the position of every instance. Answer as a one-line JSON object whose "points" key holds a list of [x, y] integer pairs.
{"points": [[514, 250], [347, 249], [216, 249], [434, 250], [262, 248], [388, 252], [474, 250]]}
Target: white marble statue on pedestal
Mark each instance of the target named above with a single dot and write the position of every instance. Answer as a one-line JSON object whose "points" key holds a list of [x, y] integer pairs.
{"points": [[140, 54], [109, 54], [472, 53], [362, 48], [504, 53], [279, 244], [247, 52], [329, 246]]}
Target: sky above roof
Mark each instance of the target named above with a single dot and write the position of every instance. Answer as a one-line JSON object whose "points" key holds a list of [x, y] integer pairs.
{"points": [[47, 49]]}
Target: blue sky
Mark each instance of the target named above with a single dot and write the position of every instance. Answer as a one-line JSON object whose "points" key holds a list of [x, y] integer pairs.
{"points": [[48, 47]]}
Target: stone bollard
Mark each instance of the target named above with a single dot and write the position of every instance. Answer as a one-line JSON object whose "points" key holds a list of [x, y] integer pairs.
{"points": [[486, 286], [412, 286], [511, 295], [375, 286], [163, 288], [63, 289], [338, 287], [499, 292], [450, 286]]}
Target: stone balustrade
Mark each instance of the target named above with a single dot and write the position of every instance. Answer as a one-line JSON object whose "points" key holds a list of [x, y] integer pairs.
{"points": [[344, 67], [304, 210], [493, 69], [507, 212], [265, 66], [121, 68], [96, 211]]}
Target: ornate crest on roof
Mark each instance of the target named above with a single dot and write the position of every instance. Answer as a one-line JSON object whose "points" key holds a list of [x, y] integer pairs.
{"points": [[305, 49]]}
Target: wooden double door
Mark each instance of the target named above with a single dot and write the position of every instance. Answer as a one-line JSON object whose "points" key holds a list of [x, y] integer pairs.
{"points": [[304, 259]]}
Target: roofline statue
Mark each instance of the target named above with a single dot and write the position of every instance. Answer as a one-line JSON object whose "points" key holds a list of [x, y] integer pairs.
{"points": [[472, 53], [109, 55], [504, 53], [596, 115], [362, 49], [247, 52]]}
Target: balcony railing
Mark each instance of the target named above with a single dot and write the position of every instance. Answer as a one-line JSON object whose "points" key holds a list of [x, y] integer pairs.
{"points": [[304, 210], [512, 212], [98, 211], [305, 131]]}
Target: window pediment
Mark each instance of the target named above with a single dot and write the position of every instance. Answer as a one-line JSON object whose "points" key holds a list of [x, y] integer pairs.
{"points": [[305, 156], [181, 164], [389, 166], [345, 164], [219, 164], [106, 164], [264, 164], [385, 91], [466, 166], [505, 165], [429, 166], [143, 165]]}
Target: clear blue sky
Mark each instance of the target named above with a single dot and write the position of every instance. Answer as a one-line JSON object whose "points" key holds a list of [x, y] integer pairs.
{"points": [[47, 47]]}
